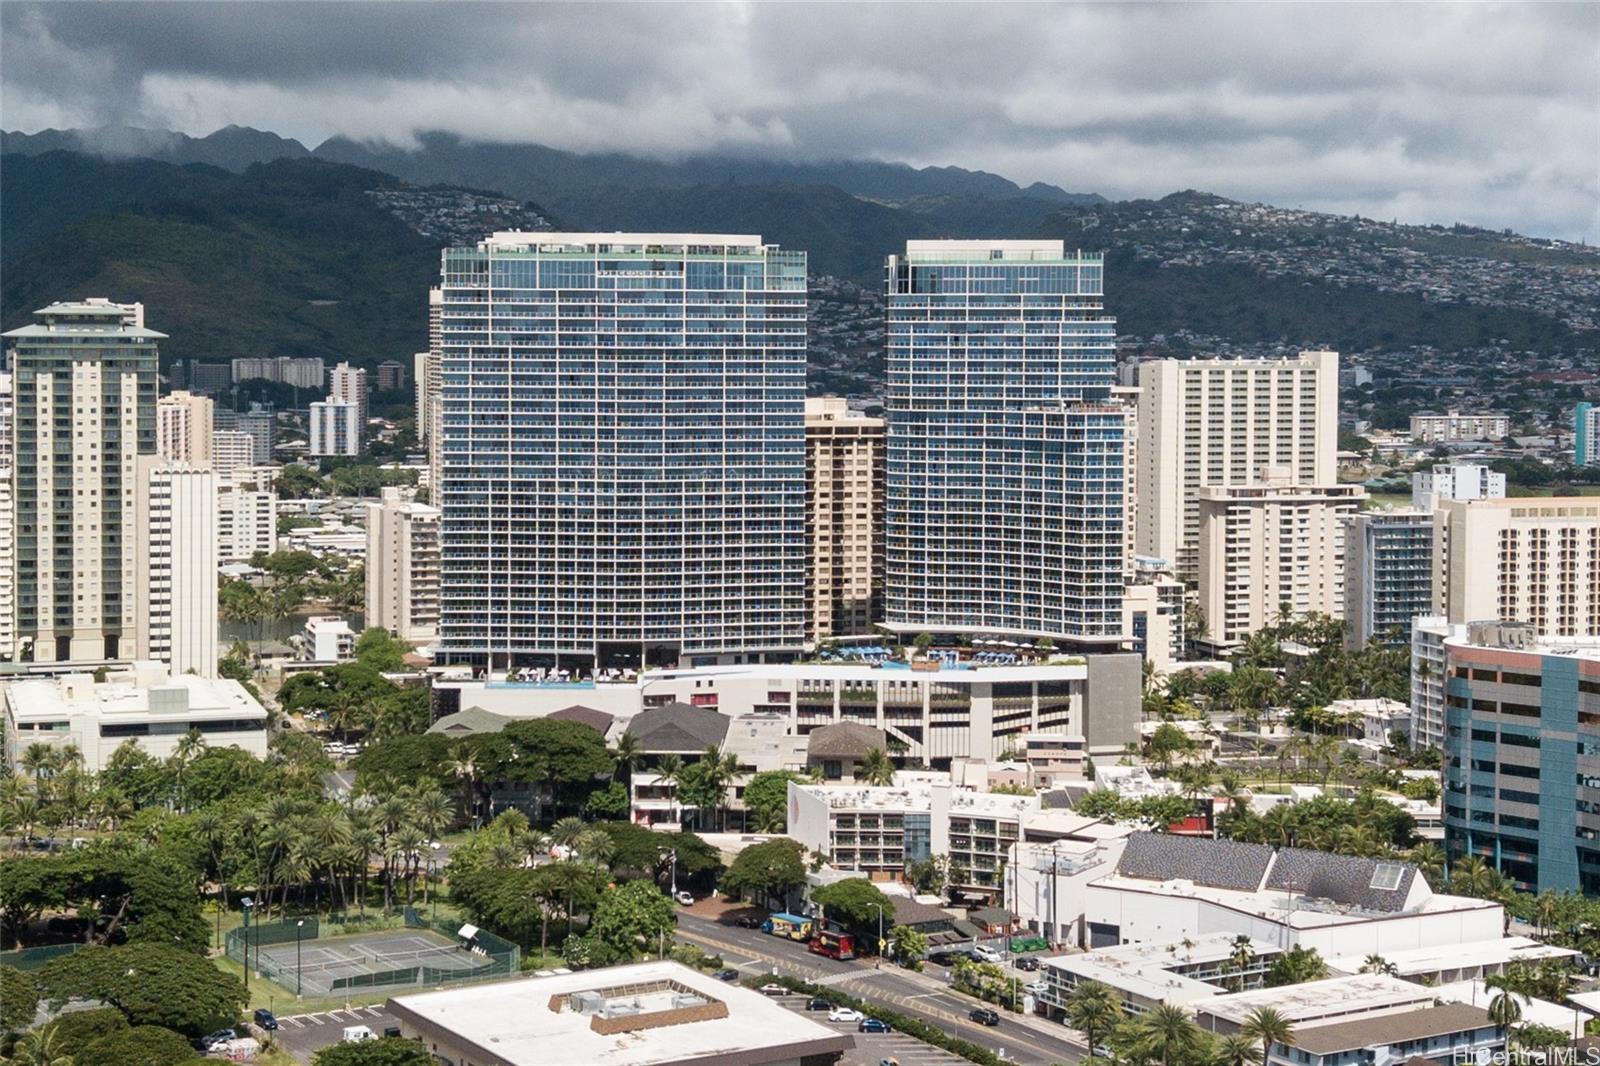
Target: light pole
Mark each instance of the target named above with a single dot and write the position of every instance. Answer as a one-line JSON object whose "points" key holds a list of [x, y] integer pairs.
{"points": [[298, 925], [878, 964], [673, 855], [247, 903]]}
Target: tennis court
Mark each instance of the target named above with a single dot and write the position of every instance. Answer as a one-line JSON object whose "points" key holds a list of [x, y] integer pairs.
{"points": [[374, 960]]}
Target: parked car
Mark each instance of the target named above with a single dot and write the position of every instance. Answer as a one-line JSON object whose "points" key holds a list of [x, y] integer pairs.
{"points": [[221, 1036], [684, 898], [818, 1003], [986, 954], [951, 956], [729, 974], [265, 1019], [748, 921], [391, 1030], [873, 1025], [357, 1034], [774, 990], [1036, 988], [845, 1014], [984, 1016], [1028, 962]]}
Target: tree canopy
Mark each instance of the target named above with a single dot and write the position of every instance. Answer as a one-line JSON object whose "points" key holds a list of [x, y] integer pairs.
{"points": [[152, 984], [772, 868], [855, 903], [142, 1045], [631, 917], [388, 1051]]}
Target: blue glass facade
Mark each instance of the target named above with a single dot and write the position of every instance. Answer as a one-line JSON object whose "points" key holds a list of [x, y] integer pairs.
{"points": [[1522, 762], [1005, 487], [623, 453]]}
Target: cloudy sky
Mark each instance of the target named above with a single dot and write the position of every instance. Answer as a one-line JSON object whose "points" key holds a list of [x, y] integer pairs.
{"points": [[1473, 112]]}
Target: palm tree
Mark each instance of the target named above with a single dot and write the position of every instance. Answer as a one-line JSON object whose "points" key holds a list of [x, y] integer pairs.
{"points": [[876, 768], [1168, 1028], [433, 811], [1269, 1027], [38, 759], [42, 1047], [1094, 1010], [628, 753], [1242, 956], [535, 844], [463, 766], [1236, 1049], [410, 842], [1429, 858], [720, 769], [1378, 964], [329, 835], [364, 841], [186, 751], [669, 771], [566, 832], [1504, 1008], [594, 846]]}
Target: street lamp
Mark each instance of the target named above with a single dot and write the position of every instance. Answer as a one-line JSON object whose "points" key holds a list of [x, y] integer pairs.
{"points": [[247, 903], [673, 855], [881, 942], [298, 925]]}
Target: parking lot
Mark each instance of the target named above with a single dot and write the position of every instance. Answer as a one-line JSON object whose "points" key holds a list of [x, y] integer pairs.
{"points": [[303, 1035], [873, 1048]]}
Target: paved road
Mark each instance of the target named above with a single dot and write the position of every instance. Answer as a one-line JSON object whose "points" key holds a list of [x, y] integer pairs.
{"points": [[302, 1035], [753, 952], [873, 1048]]}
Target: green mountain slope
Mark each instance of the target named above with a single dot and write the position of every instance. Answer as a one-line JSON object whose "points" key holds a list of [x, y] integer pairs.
{"points": [[288, 258]]}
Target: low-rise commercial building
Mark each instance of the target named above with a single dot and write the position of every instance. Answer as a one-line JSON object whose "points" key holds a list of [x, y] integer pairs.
{"points": [[144, 703], [936, 715], [1522, 755], [1184, 973], [1167, 887], [328, 639], [1455, 481], [646, 1014], [1365, 1019]]}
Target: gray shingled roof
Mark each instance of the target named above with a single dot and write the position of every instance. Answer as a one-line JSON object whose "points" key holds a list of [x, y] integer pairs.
{"points": [[469, 721], [678, 728], [599, 721], [1344, 879], [1217, 863], [1391, 1028], [844, 740]]}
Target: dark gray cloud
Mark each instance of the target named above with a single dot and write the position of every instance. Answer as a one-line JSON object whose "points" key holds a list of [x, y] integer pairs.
{"points": [[1428, 112]]}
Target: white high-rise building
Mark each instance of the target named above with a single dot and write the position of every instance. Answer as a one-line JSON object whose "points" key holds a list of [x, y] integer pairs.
{"points": [[639, 491], [1428, 636], [231, 450], [84, 378], [349, 383], [247, 523], [8, 531], [402, 567], [430, 388], [1527, 559], [1217, 422], [183, 427], [176, 583], [1271, 550], [335, 428], [1455, 481], [419, 386]]}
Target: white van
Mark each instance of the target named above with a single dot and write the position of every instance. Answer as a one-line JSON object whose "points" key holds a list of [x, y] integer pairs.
{"points": [[355, 1034]]}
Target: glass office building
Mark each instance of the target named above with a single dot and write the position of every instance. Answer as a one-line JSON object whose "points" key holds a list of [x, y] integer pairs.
{"points": [[623, 453], [1005, 494]]}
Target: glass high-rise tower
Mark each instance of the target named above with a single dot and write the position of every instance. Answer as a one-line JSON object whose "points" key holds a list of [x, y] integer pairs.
{"points": [[1005, 496], [622, 465]]}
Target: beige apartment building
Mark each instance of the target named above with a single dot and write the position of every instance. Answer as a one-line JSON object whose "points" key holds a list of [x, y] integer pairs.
{"points": [[1534, 560], [844, 519], [402, 567], [183, 427], [1271, 549], [1214, 422], [175, 584]]}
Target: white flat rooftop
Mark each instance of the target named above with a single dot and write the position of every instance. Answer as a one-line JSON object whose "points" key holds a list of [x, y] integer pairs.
{"points": [[1418, 961], [513, 1022], [520, 238], [828, 671], [1145, 970], [1534, 1011], [1326, 1001]]}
